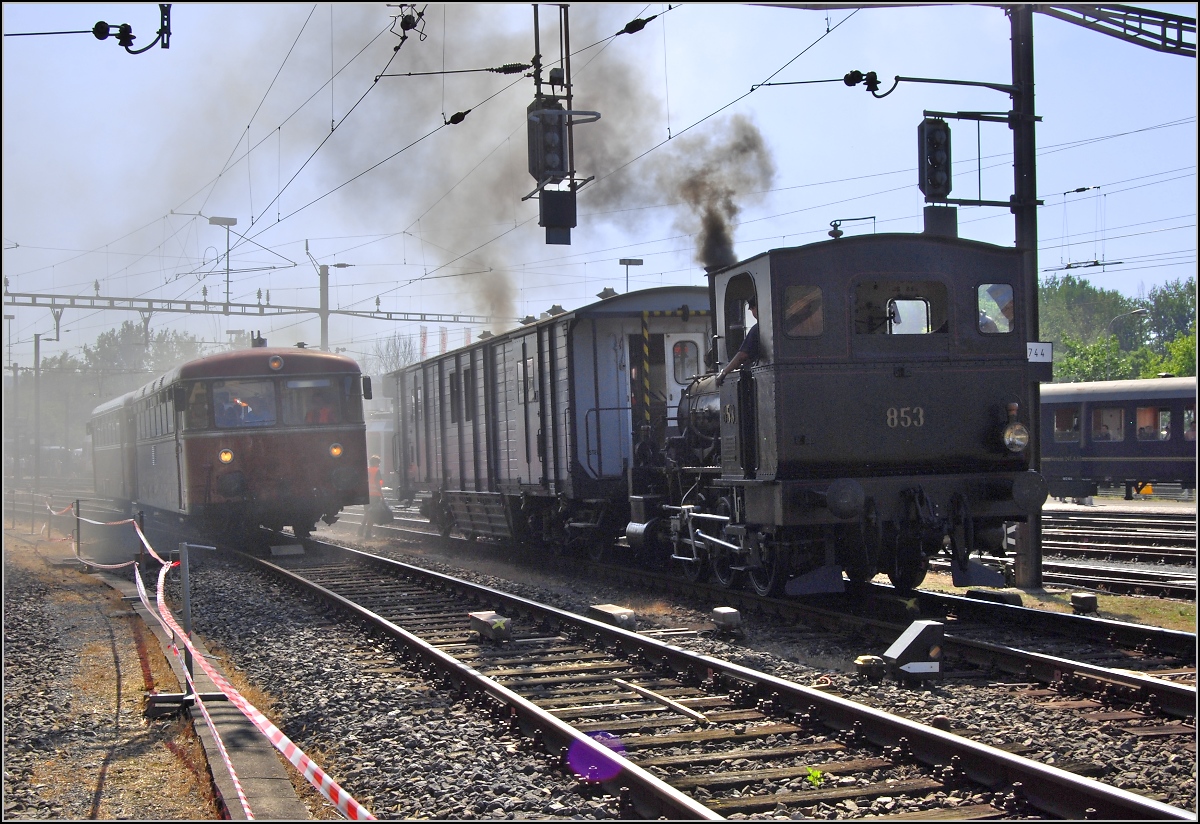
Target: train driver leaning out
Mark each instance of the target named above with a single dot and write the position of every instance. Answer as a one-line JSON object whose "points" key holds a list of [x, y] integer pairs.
{"points": [[321, 411], [751, 348]]}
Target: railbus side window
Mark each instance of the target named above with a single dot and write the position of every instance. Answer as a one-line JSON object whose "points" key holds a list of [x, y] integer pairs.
{"points": [[803, 311], [1108, 424], [1189, 422], [454, 396], [1066, 425], [352, 400]]}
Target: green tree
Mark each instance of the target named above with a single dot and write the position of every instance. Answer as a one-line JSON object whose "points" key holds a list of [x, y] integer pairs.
{"points": [[1172, 309], [1179, 359], [71, 386], [1099, 361], [1071, 307]]}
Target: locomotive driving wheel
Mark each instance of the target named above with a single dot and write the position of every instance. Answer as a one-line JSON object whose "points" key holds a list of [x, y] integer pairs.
{"points": [[768, 578], [909, 564], [722, 558], [862, 545], [962, 533]]}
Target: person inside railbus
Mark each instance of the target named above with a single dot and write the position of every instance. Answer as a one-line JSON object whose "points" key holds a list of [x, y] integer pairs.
{"points": [[321, 410], [225, 411], [1189, 434]]}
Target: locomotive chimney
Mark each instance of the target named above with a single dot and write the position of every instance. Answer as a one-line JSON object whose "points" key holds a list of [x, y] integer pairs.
{"points": [[941, 221], [257, 341]]}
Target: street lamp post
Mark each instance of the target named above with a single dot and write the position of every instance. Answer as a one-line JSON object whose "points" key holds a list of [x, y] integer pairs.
{"points": [[1135, 313], [37, 413], [226, 222], [627, 262]]}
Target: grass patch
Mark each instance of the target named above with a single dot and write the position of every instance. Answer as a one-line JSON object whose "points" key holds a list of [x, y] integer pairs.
{"points": [[1133, 609]]}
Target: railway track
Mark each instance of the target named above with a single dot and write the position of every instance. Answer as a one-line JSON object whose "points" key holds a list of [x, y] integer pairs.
{"points": [[1086, 657], [694, 736], [1161, 538]]}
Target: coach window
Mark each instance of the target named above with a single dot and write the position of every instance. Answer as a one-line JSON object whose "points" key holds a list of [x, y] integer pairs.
{"points": [[995, 305], [1189, 423], [685, 360], [1108, 424], [455, 396], [243, 403], [803, 312], [468, 393], [1066, 425], [526, 381], [918, 307], [1153, 423]]}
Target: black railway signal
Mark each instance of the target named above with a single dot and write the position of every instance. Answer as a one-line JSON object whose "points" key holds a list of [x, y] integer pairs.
{"points": [[933, 162], [548, 161]]}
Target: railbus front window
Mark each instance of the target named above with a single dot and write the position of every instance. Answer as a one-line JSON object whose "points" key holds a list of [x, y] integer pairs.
{"points": [[311, 401], [243, 403]]}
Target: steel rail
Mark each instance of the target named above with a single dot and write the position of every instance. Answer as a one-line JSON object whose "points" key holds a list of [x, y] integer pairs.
{"points": [[651, 797], [1047, 788]]}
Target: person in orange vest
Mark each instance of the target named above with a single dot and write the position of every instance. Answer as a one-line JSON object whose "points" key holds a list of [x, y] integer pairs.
{"points": [[321, 411], [375, 490]]}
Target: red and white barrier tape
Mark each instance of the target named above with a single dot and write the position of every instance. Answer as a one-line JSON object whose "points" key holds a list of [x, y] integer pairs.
{"points": [[329, 788], [162, 574], [64, 511]]}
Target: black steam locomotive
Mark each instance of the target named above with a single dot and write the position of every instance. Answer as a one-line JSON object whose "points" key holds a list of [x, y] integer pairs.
{"points": [[886, 419]]}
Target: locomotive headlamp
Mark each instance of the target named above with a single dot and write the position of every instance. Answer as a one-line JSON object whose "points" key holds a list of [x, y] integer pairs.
{"points": [[225, 456], [335, 450], [1016, 437], [275, 362]]}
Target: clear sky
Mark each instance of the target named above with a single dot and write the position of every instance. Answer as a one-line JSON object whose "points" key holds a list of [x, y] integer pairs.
{"points": [[277, 115]]}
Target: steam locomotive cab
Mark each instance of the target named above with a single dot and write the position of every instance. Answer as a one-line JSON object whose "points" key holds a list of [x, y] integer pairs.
{"points": [[886, 419]]}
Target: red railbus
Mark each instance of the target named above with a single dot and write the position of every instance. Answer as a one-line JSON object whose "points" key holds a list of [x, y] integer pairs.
{"points": [[261, 436]]}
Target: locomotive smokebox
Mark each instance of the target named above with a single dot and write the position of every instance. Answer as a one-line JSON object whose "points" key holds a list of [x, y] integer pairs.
{"points": [[700, 412]]}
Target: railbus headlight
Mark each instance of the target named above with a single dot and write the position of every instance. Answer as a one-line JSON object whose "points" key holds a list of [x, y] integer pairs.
{"points": [[225, 456], [335, 450], [275, 362], [1016, 437]]}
